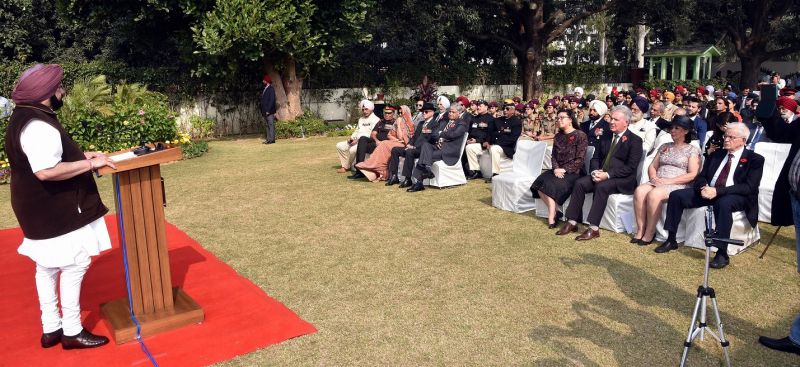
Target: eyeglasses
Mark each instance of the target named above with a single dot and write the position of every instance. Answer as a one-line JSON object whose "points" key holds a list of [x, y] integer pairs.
{"points": [[728, 137]]}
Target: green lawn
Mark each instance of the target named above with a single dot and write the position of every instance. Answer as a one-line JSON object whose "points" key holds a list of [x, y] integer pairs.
{"points": [[441, 277]]}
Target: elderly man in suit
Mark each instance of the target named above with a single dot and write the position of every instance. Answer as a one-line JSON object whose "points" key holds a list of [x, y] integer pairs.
{"points": [[614, 166], [411, 151], [729, 181], [443, 145]]}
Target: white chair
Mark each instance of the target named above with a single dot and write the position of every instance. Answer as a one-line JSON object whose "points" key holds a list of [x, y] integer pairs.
{"points": [[512, 190], [774, 157], [618, 206], [444, 175], [485, 161], [696, 224], [541, 207]]}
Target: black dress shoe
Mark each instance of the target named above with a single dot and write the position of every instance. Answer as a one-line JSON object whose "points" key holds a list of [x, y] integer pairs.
{"points": [[356, 176], [427, 172], [416, 187], [720, 261], [782, 344], [635, 240], [474, 175], [552, 225], [84, 339], [393, 181], [642, 242], [52, 338], [406, 183], [667, 246]]}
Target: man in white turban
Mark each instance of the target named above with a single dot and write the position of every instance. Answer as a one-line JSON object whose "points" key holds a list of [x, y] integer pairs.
{"points": [[347, 149], [595, 127], [442, 103]]}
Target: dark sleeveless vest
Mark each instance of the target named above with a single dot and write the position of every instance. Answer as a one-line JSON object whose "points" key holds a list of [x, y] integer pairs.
{"points": [[47, 209]]}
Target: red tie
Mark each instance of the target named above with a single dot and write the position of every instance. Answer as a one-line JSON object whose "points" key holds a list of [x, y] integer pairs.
{"points": [[723, 175]]}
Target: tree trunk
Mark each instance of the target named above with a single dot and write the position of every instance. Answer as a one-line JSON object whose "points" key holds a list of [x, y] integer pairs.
{"points": [[602, 48], [531, 64], [750, 71], [641, 36], [287, 90]]}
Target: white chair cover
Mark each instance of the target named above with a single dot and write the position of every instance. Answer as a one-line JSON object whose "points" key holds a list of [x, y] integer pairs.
{"points": [[512, 190], [541, 207], [775, 156], [445, 175], [695, 222], [485, 161]]}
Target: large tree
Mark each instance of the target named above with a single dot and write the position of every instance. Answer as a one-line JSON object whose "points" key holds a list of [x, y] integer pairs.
{"points": [[287, 38], [759, 30], [528, 26]]}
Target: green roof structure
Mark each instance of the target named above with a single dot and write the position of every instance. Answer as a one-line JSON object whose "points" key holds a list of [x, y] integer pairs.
{"points": [[673, 63]]}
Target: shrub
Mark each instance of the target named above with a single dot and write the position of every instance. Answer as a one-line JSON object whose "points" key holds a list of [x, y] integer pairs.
{"points": [[304, 125], [202, 127]]}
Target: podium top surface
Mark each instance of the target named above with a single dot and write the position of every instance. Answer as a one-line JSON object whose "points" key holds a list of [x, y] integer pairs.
{"points": [[162, 156]]}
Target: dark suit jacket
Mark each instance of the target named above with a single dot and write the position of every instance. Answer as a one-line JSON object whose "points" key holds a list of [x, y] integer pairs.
{"points": [[593, 140], [420, 136], [624, 163], [780, 132], [452, 136], [746, 178], [505, 132], [267, 101]]}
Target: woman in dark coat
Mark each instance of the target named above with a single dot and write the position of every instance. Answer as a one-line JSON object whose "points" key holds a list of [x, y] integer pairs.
{"points": [[569, 155]]}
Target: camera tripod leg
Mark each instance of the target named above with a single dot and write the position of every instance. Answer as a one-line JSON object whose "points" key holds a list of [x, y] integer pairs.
{"points": [[722, 341], [693, 329]]}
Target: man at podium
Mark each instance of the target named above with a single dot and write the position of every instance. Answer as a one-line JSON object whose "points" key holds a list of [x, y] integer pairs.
{"points": [[56, 202]]}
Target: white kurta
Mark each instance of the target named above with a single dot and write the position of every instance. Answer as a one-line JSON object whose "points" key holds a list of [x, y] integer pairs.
{"points": [[42, 144]]}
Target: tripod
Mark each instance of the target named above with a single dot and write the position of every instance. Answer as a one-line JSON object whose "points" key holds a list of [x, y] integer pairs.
{"points": [[704, 292]]}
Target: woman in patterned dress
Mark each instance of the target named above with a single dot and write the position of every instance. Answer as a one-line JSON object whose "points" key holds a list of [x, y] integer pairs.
{"points": [[675, 166]]}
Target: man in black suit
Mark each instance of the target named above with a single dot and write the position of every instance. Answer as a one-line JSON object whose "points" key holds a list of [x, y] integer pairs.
{"points": [[614, 166], [411, 151], [595, 128], [503, 135], [443, 145], [729, 181], [478, 134], [267, 106]]}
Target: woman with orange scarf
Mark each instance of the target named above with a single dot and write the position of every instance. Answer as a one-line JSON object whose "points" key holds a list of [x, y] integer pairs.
{"points": [[376, 167]]}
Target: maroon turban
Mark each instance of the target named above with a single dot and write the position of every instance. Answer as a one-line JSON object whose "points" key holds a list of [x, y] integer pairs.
{"points": [[37, 83], [788, 103], [267, 79]]}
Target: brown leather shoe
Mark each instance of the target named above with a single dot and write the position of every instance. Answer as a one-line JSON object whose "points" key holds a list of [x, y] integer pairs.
{"points": [[342, 170], [588, 234], [567, 228]]}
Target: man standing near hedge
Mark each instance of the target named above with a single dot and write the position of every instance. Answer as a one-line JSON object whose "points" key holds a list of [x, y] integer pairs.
{"points": [[56, 202], [267, 105]]}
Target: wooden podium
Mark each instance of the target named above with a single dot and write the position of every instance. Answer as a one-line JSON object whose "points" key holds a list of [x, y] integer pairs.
{"points": [[140, 199]]}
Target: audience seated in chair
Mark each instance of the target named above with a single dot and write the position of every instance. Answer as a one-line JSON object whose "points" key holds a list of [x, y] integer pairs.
{"points": [[379, 133], [675, 165], [411, 151], [444, 144], [729, 181], [478, 136], [569, 154], [503, 135], [614, 167], [347, 149], [376, 167]]}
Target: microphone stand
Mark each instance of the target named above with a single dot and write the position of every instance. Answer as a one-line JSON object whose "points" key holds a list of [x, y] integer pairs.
{"points": [[704, 292]]}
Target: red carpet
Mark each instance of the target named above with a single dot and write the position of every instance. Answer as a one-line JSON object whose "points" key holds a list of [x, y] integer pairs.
{"points": [[239, 317]]}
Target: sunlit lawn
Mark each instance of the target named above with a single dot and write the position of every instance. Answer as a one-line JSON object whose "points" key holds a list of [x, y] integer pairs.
{"points": [[441, 277]]}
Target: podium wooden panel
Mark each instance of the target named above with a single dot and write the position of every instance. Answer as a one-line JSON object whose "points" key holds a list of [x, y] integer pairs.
{"points": [[158, 306]]}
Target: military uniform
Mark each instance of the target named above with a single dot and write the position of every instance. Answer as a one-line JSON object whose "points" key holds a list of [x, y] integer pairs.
{"points": [[503, 135]]}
